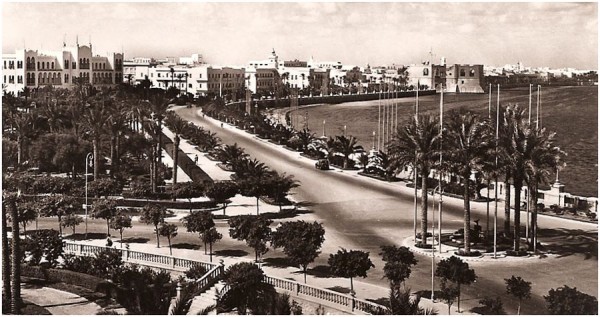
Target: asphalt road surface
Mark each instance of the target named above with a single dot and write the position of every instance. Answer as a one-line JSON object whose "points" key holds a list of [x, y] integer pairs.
{"points": [[363, 213]]}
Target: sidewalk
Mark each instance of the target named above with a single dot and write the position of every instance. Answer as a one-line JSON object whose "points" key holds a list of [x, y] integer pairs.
{"points": [[59, 302]]}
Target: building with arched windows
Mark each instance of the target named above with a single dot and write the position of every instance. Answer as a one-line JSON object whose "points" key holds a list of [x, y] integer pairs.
{"points": [[62, 68]]}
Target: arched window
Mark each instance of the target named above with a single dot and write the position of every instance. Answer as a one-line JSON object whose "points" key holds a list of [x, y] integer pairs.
{"points": [[80, 62], [472, 73], [40, 80], [48, 65], [425, 71], [462, 72], [33, 78]]}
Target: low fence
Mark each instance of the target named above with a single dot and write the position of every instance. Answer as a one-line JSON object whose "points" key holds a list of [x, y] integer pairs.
{"points": [[343, 301], [215, 272], [138, 257]]}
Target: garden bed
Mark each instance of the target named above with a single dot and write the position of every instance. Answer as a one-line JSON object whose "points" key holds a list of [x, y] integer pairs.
{"points": [[225, 167], [210, 157]]}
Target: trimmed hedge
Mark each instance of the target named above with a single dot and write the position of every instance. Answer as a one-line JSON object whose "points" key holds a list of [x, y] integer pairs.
{"points": [[131, 202], [90, 282]]}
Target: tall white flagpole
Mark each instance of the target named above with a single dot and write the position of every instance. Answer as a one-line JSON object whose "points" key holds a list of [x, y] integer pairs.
{"points": [[440, 169], [530, 87]]}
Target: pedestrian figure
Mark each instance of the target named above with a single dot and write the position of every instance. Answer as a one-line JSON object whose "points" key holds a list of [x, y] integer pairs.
{"points": [[109, 242], [196, 159], [221, 124]]}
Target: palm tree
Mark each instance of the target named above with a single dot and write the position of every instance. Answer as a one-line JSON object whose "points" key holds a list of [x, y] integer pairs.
{"points": [[177, 126], [230, 153], [305, 137], [416, 143], [24, 126], [117, 120], [15, 277], [468, 146], [347, 146], [516, 155], [504, 152], [95, 120], [6, 291], [541, 159], [159, 105]]}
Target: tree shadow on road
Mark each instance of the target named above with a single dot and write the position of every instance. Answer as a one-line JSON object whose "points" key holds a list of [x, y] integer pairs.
{"points": [[232, 253], [320, 271], [90, 236], [187, 246], [565, 242], [135, 240], [283, 262], [340, 289]]}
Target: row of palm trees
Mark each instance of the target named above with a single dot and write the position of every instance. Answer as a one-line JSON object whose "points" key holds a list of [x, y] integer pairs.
{"points": [[518, 152]]}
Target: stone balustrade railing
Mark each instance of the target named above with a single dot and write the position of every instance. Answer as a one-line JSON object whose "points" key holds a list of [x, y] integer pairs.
{"points": [[138, 257], [215, 272]]}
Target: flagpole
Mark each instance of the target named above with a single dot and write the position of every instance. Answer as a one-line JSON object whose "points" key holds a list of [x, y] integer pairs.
{"points": [[440, 169], [496, 177], [530, 87], [539, 106], [487, 204]]}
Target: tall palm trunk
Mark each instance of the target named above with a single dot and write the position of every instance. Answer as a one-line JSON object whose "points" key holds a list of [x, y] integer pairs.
{"points": [[517, 223], [113, 142], [5, 260], [176, 142], [116, 162], [467, 224], [15, 278], [424, 206], [533, 204], [19, 149], [95, 146], [507, 206], [154, 172]]}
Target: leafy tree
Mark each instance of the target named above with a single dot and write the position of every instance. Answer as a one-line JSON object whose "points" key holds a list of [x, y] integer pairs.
{"points": [[221, 192], [27, 212], [569, 301], [448, 293], [416, 145], [350, 264], [104, 187], [248, 291], [107, 263], [300, 241], [168, 230], [105, 209], [71, 221], [469, 144], [188, 191], [119, 223], [455, 270], [44, 245], [57, 206], [519, 288], [95, 120], [154, 215], [254, 230], [398, 262], [70, 152], [253, 187], [211, 236], [201, 223]]}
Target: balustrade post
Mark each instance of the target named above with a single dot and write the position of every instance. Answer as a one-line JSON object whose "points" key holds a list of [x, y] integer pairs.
{"points": [[297, 288], [173, 261], [353, 294], [81, 249]]}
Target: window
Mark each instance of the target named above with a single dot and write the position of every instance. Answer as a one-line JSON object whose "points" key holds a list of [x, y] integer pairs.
{"points": [[19, 65], [48, 65], [425, 71], [66, 78], [52, 65], [5, 79], [4, 64], [189, 85], [462, 72], [74, 65], [472, 73]]}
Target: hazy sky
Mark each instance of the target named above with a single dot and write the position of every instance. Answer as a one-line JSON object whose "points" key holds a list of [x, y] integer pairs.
{"points": [[538, 34]]}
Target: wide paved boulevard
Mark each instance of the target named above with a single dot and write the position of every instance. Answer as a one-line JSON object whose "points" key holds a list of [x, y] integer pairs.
{"points": [[362, 213]]}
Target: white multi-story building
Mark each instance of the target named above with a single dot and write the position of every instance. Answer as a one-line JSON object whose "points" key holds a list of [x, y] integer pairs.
{"points": [[39, 68]]}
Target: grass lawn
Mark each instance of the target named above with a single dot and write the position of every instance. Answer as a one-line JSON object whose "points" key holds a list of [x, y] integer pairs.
{"points": [[571, 112]]}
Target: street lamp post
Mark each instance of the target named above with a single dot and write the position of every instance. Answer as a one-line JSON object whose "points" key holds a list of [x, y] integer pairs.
{"points": [[373, 140], [323, 127], [88, 158]]}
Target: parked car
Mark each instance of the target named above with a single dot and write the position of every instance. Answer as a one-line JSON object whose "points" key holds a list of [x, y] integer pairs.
{"points": [[322, 164]]}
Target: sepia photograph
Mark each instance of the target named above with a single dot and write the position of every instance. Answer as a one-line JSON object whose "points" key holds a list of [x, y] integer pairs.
{"points": [[299, 158]]}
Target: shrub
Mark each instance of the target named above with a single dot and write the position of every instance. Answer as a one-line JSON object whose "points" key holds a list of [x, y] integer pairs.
{"points": [[76, 263], [195, 272], [44, 245]]}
